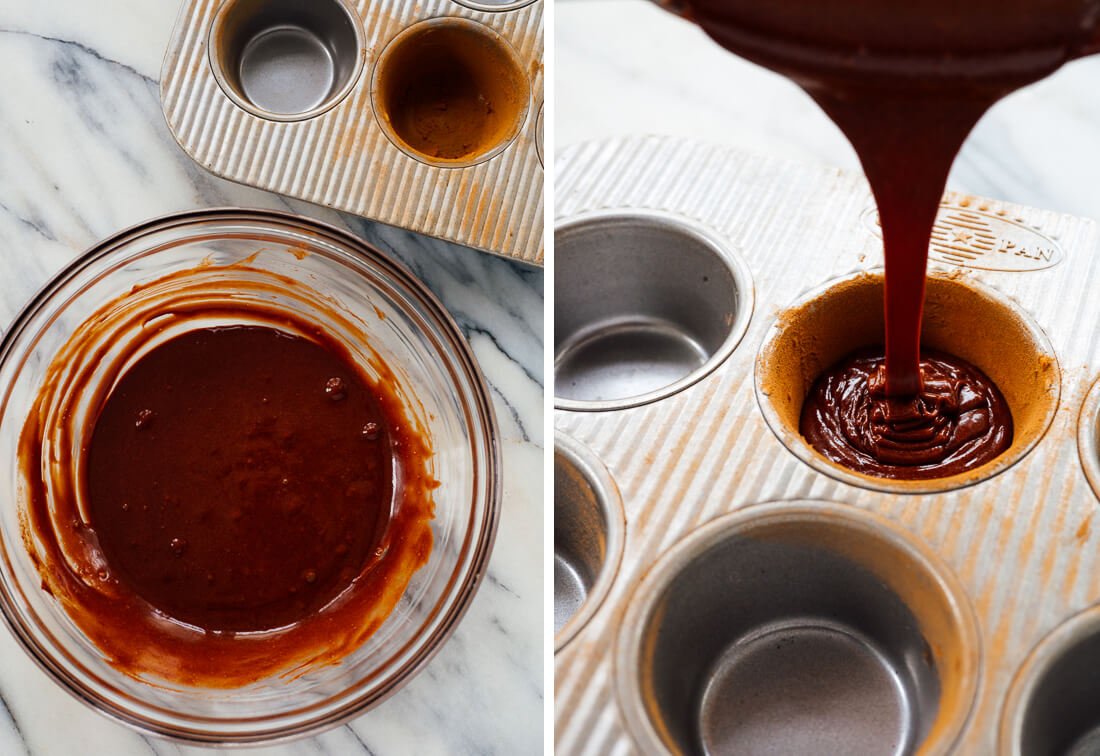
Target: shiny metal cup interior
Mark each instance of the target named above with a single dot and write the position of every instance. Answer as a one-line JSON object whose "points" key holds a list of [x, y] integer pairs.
{"points": [[284, 60], [467, 54], [646, 304], [797, 627], [845, 314], [1053, 706], [589, 530]]}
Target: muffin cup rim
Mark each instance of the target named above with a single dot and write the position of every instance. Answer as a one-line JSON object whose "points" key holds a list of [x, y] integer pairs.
{"points": [[1088, 436]]}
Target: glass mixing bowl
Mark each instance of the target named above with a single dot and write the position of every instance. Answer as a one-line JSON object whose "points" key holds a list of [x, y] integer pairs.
{"points": [[436, 375]]}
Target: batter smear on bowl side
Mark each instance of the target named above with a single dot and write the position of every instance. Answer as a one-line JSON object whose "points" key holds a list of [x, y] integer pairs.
{"points": [[242, 500]]}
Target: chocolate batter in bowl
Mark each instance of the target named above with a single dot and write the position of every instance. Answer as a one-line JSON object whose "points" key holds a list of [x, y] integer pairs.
{"points": [[962, 319], [251, 472]]}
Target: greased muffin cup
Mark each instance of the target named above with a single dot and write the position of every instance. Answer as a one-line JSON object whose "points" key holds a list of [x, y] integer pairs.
{"points": [[845, 315]]}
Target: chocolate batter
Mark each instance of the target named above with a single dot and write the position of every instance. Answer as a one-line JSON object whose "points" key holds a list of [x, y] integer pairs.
{"points": [[237, 500], [958, 420], [239, 478], [905, 82]]}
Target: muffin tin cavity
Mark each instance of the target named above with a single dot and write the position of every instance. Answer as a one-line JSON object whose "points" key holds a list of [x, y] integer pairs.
{"points": [[285, 60], [846, 314], [588, 536], [1051, 708], [797, 627], [646, 304]]}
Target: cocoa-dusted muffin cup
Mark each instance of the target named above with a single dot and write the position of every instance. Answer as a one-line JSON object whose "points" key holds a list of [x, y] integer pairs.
{"points": [[961, 317]]}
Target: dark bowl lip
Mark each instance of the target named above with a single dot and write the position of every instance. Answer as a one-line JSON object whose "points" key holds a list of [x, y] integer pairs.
{"points": [[398, 274]]}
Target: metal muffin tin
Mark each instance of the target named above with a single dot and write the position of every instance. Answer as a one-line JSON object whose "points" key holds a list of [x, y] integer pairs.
{"points": [[277, 94], [1012, 556]]}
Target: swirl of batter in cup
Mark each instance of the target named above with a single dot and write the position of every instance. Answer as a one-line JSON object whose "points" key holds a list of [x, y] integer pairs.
{"points": [[957, 421]]}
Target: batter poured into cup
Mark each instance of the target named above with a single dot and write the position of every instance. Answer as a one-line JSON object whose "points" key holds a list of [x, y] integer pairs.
{"points": [[905, 82], [957, 421]]}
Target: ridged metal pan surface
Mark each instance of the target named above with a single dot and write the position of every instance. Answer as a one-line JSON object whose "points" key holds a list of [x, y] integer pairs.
{"points": [[341, 158], [1024, 545]]}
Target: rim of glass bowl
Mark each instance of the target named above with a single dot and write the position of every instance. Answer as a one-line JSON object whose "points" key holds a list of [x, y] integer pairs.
{"points": [[476, 543]]}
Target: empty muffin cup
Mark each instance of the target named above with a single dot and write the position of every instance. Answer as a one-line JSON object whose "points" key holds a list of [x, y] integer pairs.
{"points": [[961, 317], [646, 304], [450, 92], [284, 60], [588, 536], [797, 627], [1051, 708]]}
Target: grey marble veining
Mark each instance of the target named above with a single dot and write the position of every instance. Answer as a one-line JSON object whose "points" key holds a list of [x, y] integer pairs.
{"points": [[84, 152]]}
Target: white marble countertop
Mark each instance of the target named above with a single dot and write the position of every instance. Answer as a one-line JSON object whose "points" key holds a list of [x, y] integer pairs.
{"points": [[84, 151], [627, 67]]}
